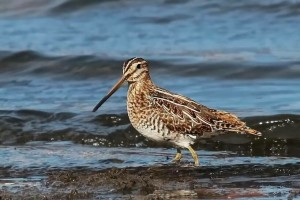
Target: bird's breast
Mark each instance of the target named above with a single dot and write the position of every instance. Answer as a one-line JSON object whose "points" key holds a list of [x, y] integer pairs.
{"points": [[144, 117]]}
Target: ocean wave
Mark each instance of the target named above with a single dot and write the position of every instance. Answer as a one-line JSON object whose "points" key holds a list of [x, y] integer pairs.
{"points": [[279, 8], [157, 20], [114, 130], [44, 7], [74, 5], [27, 7], [85, 67]]}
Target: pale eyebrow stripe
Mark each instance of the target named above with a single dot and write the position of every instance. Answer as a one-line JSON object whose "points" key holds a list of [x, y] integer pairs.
{"points": [[128, 64]]}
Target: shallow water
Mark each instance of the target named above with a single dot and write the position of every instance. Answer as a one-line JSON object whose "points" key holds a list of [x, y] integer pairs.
{"points": [[60, 155], [58, 58]]}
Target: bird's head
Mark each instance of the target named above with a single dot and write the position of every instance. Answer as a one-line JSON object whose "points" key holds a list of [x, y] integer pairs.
{"points": [[134, 70]]}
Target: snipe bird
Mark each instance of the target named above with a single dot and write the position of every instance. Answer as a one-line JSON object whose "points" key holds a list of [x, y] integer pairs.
{"points": [[161, 115]]}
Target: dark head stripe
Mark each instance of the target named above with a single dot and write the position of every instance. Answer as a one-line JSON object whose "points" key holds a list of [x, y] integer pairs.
{"points": [[126, 64], [129, 62]]}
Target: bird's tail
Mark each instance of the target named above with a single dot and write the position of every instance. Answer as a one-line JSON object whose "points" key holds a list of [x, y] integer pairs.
{"points": [[229, 122], [252, 131], [245, 130]]}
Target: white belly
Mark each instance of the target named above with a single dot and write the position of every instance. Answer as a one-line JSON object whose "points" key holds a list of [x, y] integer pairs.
{"points": [[178, 141], [151, 134]]}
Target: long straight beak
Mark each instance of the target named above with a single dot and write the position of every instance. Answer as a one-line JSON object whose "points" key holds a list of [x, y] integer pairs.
{"points": [[113, 90]]}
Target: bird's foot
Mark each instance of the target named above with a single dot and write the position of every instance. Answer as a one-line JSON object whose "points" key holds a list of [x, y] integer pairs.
{"points": [[177, 158]]}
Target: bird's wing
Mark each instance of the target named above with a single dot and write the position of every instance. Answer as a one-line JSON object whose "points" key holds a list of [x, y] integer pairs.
{"points": [[196, 118]]}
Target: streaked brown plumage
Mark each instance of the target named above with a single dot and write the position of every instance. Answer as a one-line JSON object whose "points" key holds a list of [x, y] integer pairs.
{"points": [[161, 115]]}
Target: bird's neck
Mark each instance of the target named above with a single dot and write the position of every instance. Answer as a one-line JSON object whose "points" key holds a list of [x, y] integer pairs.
{"points": [[143, 83], [140, 88]]}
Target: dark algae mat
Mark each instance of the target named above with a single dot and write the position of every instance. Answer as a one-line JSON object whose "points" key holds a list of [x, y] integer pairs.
{"points": [[172, 181]]}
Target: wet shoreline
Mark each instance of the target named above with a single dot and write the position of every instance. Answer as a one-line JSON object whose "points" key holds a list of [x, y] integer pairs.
{"points": [[179, 181], [62, 170]]}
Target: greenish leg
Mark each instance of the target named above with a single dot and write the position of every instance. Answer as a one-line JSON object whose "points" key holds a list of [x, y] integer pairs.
{"points": [[178, 156], [194, 154]]}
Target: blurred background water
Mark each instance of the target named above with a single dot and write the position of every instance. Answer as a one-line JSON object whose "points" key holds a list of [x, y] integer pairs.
{"points": [[58, 58]]}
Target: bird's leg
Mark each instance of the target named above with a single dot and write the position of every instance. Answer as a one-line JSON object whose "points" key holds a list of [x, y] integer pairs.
{"points": [[194, 154], [178, 156]]}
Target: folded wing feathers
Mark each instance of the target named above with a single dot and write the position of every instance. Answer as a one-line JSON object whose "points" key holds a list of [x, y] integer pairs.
{"points": [[187, 109]]}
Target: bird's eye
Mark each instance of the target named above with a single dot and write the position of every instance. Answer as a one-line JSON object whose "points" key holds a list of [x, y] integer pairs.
{"points": [[138, 66]]}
